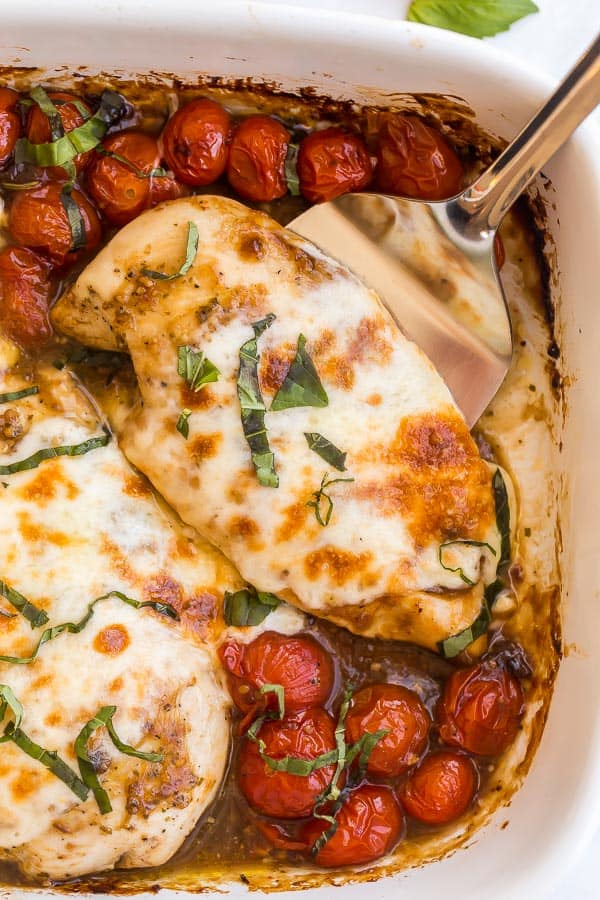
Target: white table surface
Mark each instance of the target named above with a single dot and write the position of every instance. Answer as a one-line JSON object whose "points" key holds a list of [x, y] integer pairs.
{"points": [[551, 40]]}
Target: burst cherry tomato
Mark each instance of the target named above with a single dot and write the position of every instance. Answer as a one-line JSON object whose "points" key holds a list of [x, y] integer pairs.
{"points": [[25, 291], [305, 735], [481, 709], [196, 142], [166, 187], [122, 191], [370, 824], [38, 128], [332, 162], [298, 663], [256, 166], [38, 220], [398, 711], [441, 788], [10, 123], [414, 160]]}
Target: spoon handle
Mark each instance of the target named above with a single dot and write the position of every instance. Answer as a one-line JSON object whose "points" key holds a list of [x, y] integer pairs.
{"points": [[484, 204]]}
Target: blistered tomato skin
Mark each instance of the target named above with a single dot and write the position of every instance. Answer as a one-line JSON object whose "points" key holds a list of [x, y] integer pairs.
{"points": [[398, 711], [166, 187], [120, 193], [25, 292], [196, 142], [305, 735], [415, 160], [332, 162], [10, 123], [256, 165], [38, 220], [481, 709], [38, 128], [370, 824], [441, 788], [299, 663]]}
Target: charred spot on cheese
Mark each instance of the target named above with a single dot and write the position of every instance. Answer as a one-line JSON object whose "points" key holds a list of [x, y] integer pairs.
{"points": [[336, 565], [112, 640], [45, 484], [369, 343], [36, 533], [190, 399], [205, 446], [136, 486], [434, 442], [274, 366], [252, 247], [293, 520]]}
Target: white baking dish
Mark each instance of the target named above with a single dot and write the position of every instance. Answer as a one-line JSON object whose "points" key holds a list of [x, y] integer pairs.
{"points": [[553, 816]]}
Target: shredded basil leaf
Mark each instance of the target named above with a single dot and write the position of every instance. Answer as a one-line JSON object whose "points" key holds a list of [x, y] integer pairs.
{"points": [[153, 173], [36, 617], [195, 369], [48, 758], [183, 423], [76, 627], [253, 407], [291, 169], [75, 217], [279, 692], [502, 516], [459, 570], [321, 495], [11, 396], [43, 101], [191, 249], [62, 150], [32, 462], [452, 646], [302, 385], [293, 765], [19, 185], [326, 450], [248, 606], [477, 18]]}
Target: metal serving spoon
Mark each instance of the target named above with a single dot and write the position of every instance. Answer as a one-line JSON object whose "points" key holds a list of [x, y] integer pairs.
{"points": [[433, 264]]}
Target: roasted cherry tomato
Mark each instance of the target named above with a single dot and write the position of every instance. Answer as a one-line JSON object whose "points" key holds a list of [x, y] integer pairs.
{"points": [[481, 708], [25, 292], [10, 123], [298, 663], [38, 220], [398, 711], [332, 162], [369, 825], [256, 165], [166, 187], [499, 251], [414, 160], [196, 142], [38, 128], [441, 788], [121, 190], [305, 735]]}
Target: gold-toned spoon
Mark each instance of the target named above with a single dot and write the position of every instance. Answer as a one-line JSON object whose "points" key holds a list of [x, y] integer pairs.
{"points": [[433, 264]]}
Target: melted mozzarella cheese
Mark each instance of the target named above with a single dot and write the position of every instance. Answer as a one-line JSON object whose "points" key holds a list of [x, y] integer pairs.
{"points": [[417, 478], [71, 530]]}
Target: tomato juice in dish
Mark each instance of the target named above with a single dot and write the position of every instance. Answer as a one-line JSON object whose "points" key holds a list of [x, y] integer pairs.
{"points": [[347, 748]]}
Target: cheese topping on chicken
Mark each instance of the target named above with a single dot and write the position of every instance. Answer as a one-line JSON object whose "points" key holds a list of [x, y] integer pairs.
{"points": [[401, 543]]}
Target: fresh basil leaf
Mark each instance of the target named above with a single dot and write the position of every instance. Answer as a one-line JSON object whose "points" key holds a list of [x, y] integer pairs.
{"points": [[248, 606], [477, 18], [63, 149], [195, 369], [502, 516], [32, 462], [321, 496], [253, 408], [183, 424], [459, 570], [191, 249], [302, 385], [12, 396], [291, 169], [452, 646], [75, 217], [48, 758], [76, 627], [36, 617], [326, 450], [45, 104], [86, 767]]}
